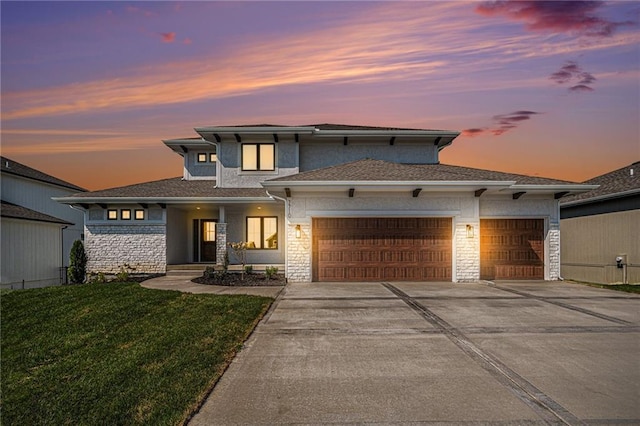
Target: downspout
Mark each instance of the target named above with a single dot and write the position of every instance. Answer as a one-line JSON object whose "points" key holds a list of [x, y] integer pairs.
{"points": [[286, 248]]}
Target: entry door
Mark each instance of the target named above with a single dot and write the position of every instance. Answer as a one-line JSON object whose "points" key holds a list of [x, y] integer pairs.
{"points": [[204, 240]]}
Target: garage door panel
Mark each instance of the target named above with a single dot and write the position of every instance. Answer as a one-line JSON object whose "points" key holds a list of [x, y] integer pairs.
{"points": [[511, 249], [374, 249]]}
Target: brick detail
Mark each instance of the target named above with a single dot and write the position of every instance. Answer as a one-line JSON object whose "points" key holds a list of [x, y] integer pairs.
{"points": [[298, 253], [221, 242], [467, 253], [109, 247]]}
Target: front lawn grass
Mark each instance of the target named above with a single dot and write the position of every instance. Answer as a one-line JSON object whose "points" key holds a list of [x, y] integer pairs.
{"points": [[116, 353]]}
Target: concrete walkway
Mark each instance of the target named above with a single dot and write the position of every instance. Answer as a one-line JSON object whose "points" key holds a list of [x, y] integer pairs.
{"points": [[183, 283], [397, 353]]}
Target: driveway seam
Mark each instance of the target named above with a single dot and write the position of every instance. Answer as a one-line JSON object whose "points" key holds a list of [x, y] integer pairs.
{"points": [[565, 306], [544, 406]]}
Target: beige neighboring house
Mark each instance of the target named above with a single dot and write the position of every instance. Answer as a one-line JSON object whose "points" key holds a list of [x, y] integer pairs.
{"points": [[36, 232], [601, 230]]}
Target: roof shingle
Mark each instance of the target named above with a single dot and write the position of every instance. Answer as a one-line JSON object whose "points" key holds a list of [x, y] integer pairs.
{"points": [[15, 211], [18, 169], [622, 180]]}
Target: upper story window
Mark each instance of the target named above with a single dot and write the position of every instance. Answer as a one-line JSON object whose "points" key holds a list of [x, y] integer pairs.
{"points": [[258, 156], [202, 158]]}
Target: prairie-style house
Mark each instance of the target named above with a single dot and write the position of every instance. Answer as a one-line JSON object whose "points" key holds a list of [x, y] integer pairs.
{"points": [[330, 202]]}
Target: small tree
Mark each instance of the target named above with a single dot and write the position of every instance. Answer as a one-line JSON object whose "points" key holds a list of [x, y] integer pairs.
{"points": [[240, 252], [77, 263]]}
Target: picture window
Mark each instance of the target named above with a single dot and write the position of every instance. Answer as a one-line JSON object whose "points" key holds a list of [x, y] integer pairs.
{"points": [[262, 232], [258, 157]]}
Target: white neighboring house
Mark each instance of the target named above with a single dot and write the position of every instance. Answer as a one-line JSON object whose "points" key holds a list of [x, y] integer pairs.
{"points": [[330, 202], [37, 233]]}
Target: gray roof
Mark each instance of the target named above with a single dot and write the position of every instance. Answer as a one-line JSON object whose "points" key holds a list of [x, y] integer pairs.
{"points": [[380, 170], [15, 211], [13, 167], [172, 188], [621, 182]]}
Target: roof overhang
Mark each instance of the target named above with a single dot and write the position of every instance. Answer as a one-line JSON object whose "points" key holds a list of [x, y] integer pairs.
{"points": [[440, 138], [480, 187], [182, 146], [82, 201], [600, 198]]}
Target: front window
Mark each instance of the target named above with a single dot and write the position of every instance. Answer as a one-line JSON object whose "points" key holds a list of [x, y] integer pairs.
{"points": [[258, 156], [262, 232]]}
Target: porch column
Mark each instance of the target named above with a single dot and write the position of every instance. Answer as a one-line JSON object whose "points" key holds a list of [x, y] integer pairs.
{"points": [[221, 242]]}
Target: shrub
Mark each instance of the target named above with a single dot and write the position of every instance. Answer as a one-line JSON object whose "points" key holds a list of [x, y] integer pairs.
{"points": [[77, 263], [98, 278], [123, 275], [248, 269], [270, 271]]}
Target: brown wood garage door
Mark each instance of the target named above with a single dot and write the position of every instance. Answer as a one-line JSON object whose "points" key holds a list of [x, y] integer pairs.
{"points": [[511, 249], [382, 249]]}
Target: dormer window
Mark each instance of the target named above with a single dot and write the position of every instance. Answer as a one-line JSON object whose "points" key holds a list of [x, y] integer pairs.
{"points": [[258, 157]]}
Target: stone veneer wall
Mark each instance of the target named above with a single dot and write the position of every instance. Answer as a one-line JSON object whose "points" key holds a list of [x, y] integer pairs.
{"points": [[109, 247], [467, 253], [299, 253], [554, 251]]}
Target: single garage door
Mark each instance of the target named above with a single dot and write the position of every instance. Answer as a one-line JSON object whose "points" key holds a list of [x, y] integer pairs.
{"points": [[511, 249], [382, 249]]}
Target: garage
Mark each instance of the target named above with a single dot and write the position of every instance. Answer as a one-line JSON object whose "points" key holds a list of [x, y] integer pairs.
{"points": [[382, 249], [511, 249]]}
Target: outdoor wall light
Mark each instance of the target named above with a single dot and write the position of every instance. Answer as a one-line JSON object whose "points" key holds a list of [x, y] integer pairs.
{"points": [[470, 232], [298, 231]]}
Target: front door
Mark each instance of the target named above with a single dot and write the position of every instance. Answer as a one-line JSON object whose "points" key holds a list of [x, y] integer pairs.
{"points": [[204, 240]]}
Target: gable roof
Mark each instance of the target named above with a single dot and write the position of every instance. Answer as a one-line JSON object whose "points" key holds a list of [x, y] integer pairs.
{"points": [[380, 170], [618, 183], [15, 211], [18, 169], [172, 189]]}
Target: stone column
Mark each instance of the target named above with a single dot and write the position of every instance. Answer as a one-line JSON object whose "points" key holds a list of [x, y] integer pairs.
{"points": [[221, 242]]}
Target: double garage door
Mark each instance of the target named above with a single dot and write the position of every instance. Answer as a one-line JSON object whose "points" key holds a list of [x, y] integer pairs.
{"points": [[420, 249]]}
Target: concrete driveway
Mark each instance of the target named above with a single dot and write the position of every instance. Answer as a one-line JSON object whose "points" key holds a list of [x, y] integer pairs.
{"points": [[392, 353]]}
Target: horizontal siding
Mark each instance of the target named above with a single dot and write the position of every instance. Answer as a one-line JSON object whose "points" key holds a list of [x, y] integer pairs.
{"points": [[590, 245], [31, 251]]}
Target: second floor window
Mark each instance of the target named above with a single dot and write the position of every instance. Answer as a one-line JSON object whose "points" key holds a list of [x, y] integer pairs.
{"points": [[258, 156]]}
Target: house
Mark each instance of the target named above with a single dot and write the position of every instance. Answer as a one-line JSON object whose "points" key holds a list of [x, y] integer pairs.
{"points": [[601, 229], [330, 203], [37, 233]]}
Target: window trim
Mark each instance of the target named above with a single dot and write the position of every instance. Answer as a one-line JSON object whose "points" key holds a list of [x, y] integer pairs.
{"points": [[135, 214], [122, 212], [262, 218], [204, 154], [213, 157], [115, 214], [258, 168]]}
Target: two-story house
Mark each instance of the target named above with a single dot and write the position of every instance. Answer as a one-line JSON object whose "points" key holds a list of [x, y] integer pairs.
{"points": [[331, 203]]}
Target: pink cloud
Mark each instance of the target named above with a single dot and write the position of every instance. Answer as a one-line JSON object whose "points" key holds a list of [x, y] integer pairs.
{"points": [[187, 41], [474, 132], [502, 123], [580, 88], [168, 37], [577, 17]]}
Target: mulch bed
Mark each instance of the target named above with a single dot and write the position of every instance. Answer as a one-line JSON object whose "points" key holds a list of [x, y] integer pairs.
{"points": [[235, 279]]}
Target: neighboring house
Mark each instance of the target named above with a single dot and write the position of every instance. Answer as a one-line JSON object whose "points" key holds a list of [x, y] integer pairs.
{"points": [[331, 203], [601, 226], [37, 232]]}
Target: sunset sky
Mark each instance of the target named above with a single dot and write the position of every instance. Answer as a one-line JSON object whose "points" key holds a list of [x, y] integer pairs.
{"points": [[90, 89]]}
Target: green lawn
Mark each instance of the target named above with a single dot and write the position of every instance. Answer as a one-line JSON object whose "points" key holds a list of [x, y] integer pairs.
{"points": [[627, 288], [116, 353]]}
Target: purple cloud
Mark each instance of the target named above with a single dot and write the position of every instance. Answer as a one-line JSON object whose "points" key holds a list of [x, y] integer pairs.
{"points": [[502, 123], [572, 73], [576, 17]]}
